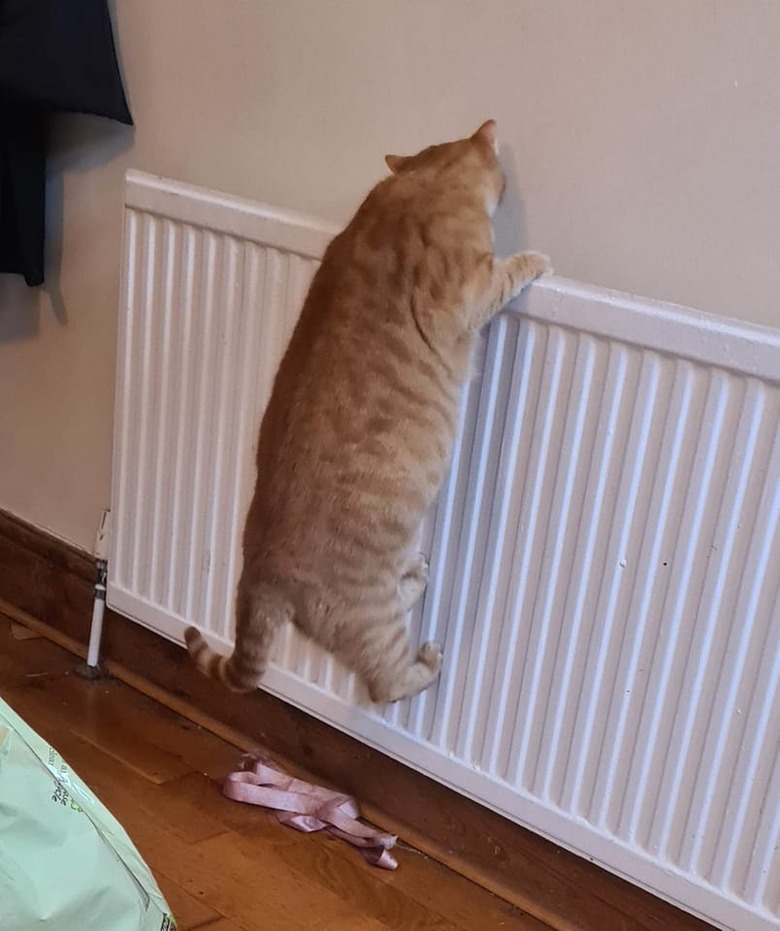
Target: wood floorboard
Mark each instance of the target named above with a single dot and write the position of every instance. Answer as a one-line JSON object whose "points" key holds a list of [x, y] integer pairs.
{"points": [[390, 892], [191, 913], [220, 924], [224, 866]]}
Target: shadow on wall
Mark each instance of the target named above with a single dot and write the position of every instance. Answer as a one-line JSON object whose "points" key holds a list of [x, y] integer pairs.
{"points": [[77, 143], [509, 221]]}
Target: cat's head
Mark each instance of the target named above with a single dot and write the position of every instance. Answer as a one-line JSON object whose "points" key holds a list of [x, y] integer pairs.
{"points": [[473, 159]]}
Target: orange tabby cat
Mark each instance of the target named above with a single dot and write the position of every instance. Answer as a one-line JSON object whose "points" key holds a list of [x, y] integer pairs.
{"points": [[362, 418]]}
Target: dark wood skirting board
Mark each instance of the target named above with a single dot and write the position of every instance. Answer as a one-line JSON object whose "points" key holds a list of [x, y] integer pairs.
{"points": [[51, 582]]}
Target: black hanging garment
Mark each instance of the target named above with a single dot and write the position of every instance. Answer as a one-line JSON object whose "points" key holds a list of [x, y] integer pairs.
{"points": [[55, 55]]}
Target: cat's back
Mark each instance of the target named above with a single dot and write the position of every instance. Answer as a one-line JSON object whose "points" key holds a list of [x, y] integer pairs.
{"points": [[359, 392], [364, 406], [359, 334]]}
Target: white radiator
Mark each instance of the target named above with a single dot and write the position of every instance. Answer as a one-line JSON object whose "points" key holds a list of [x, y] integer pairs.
{"points": [[605, 555]]}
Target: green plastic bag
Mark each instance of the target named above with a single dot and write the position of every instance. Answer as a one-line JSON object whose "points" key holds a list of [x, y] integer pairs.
{"points": [[66, 864]]}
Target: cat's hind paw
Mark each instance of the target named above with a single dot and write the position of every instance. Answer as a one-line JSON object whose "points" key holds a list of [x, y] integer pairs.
{"points": [[430, 653], [413, 581]]}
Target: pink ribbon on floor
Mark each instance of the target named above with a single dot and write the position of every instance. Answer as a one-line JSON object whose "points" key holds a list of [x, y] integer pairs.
{"points": [[308, 807]]}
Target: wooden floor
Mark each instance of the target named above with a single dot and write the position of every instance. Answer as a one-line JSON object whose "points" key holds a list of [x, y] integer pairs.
{"points": [[222, 865]]}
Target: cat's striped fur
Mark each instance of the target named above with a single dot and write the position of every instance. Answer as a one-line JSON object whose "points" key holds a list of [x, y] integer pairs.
{"points": [[362, 418]]}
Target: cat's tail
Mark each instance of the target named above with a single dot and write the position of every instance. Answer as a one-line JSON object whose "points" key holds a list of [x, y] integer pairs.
{"points": [[259, 615], [216, 666]]}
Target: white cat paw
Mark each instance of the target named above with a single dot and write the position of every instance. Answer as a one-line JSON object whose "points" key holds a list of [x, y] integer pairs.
{"points": [[431, 654], [414, 581], [418, 568], [537, 263]]}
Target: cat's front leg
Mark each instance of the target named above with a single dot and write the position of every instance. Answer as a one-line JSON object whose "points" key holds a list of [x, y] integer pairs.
{"points": [[504, 280], [524, 268]]}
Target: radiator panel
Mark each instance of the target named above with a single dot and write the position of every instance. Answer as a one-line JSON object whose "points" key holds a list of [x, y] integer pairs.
{"points": [[604, 552]]}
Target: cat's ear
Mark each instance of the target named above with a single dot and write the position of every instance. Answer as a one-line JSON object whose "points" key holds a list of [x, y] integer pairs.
{"points": [[396, 162], [487, 132]]}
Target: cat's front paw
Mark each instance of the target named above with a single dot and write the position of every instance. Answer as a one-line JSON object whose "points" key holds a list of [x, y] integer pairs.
{"points": [[537, 264], [430, 654]]}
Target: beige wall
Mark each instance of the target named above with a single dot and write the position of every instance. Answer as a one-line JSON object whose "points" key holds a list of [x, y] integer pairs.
{"points": [[643, 139]]}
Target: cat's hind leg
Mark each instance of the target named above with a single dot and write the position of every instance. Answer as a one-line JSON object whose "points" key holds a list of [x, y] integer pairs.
{"points": [[261, 610], [385, 662], [413, 581], [404, 680]]}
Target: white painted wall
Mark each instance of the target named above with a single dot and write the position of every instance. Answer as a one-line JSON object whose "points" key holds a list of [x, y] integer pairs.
{"points": [[642, 140]]}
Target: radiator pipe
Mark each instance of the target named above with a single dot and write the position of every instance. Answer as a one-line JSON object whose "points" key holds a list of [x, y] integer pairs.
{"points": [[98, 610], [91, 669]]}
